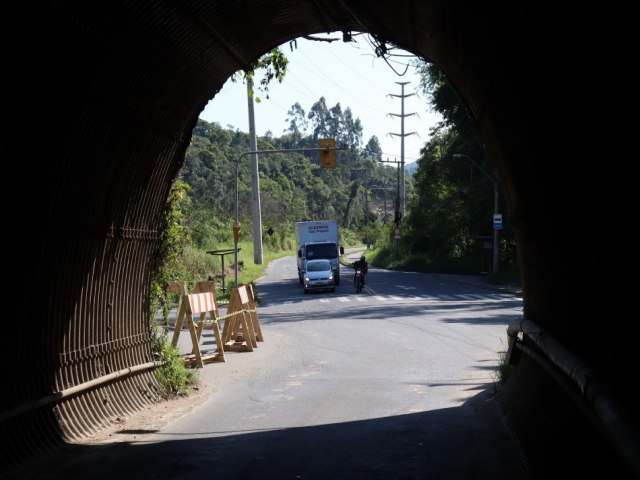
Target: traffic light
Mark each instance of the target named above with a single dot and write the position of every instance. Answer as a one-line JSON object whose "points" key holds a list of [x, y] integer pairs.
{"points": [[327, 157], [237, 235]]}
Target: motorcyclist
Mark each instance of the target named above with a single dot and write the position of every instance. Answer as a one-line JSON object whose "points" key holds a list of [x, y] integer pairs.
{"points": [[362, 266]]}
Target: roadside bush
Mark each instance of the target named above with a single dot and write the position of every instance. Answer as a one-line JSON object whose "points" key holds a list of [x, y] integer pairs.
{"points": [[174, 376]]}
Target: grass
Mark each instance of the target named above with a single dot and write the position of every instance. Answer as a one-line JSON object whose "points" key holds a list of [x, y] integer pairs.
{"points": [[503, 371], [248, 271], [174, 377]]}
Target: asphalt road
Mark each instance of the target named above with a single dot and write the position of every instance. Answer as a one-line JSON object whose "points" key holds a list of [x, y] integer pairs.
{"points": [[392, 383]]}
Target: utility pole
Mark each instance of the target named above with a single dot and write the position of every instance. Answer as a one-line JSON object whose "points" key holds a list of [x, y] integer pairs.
{"points": [[236, 227], [403, 198], [255, 181], [397, 208]]}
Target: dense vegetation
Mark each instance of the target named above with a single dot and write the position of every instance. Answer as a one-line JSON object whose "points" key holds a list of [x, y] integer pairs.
{"points": [[450, 212], [293, 187]]}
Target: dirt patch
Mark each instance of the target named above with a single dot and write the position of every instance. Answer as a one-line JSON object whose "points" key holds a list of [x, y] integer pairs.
{"points": [[148, 420]]}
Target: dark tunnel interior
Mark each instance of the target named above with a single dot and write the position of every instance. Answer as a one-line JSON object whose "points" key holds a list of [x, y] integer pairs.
{"points": [[100, 101]]}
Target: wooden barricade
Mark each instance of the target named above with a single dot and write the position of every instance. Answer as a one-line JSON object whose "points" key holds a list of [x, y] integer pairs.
{"points": [[239, 333], [202, 287], [253, 312], [200, 303], [180, 288]]}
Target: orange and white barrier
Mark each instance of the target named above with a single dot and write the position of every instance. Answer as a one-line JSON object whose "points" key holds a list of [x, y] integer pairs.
{"points": [[241, 330], [201, 303]]}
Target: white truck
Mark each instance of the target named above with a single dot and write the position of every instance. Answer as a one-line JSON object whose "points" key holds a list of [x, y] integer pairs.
{"points": [[318, 239]]}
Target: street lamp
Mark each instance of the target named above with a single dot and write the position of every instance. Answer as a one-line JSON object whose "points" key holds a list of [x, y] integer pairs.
{"points": [[496, 213]]}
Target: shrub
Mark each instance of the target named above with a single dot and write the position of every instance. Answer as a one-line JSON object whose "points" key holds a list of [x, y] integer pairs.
{"points": [[174, 377]]}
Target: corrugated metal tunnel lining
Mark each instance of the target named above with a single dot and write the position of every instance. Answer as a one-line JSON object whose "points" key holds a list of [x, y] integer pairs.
{"points": [[102, 100]]}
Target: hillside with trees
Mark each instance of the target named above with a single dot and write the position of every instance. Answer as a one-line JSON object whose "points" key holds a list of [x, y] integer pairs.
{"points": [[293, 186]]}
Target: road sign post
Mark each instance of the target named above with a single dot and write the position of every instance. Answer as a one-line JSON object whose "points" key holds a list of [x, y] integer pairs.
{"points": [[497, 221]]}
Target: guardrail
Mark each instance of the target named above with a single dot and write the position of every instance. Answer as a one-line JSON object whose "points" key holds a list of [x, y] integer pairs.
{"points": [[582, 384]]}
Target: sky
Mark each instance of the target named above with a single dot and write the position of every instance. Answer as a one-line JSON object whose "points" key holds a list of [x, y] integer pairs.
{"points": [[345, 73]]}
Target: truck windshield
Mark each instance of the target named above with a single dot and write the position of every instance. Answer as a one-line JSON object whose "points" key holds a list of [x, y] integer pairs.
{"points": [[326, 250]]}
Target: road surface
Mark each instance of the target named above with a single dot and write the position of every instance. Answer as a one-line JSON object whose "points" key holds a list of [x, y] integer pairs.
{"points": [[391, 383]]}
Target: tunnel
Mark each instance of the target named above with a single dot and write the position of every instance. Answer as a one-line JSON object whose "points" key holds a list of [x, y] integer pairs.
{"points": [[99, 102]]}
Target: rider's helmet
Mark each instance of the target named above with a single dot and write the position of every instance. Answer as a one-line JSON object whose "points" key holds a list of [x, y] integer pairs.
{"points": [[362, 258]]}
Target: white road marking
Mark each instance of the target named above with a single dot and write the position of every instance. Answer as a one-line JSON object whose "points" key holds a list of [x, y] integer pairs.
{"points": [[470, 297], [430, 298]]}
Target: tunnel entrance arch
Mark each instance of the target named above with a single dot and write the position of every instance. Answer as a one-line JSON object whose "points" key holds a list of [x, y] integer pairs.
{"points": [[122, 86]]}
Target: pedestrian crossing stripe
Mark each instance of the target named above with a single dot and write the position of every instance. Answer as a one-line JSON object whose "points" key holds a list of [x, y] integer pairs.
{"points": [[433, 298]]}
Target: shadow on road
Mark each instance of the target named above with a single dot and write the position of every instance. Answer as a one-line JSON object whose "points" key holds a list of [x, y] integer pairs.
{"points": [[424, 445]]}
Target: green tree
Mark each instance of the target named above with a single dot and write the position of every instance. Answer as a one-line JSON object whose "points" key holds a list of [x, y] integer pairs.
{"points": [[451, 207], [351, 132], [319, 118], [272, 66], [373, 149]]}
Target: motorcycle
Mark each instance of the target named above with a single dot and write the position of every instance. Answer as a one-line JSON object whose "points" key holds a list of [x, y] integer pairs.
{"points": [[359, 280]]}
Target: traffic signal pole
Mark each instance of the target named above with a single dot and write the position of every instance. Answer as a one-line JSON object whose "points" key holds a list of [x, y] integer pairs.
{"points": [[325, 150]]}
